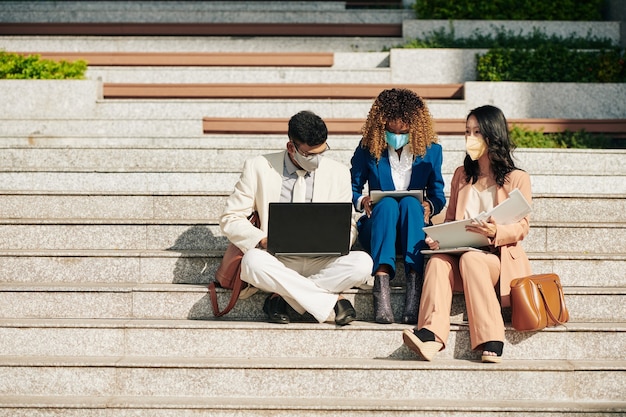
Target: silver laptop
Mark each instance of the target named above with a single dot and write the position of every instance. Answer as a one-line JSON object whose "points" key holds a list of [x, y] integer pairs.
{"points": [[309, 229]]}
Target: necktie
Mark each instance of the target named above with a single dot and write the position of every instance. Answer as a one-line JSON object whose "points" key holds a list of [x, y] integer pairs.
{"points": [[299, 189]]}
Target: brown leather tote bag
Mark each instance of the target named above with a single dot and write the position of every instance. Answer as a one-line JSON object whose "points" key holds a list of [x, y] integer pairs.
{"points": [[537, 301]]}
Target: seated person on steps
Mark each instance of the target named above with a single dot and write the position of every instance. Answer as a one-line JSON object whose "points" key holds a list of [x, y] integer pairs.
{"points": [[485, 180], [312, 285], [398, 151]]}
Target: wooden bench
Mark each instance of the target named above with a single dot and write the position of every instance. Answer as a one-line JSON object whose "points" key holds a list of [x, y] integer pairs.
{"points": [[611, 127], [203, 29], [190, 59], [274, 91]]}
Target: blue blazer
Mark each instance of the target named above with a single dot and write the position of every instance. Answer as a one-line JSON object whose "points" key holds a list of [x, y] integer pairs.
{"points": [[425, 175]]}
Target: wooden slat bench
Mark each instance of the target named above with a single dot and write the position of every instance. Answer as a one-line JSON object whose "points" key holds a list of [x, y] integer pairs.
{"points": [[274, 91], [203, 29], [611, 127], [190, 59]]}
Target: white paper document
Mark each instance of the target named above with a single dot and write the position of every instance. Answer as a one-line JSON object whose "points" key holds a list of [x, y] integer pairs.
{"points": [[510, 211], [453, 238], [376, 195], [452, 251]]}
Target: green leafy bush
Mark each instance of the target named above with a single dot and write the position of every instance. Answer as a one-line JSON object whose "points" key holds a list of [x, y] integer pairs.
{"points": [[581, 10], [535, 57], [552, 63], [503, 38], [16, 66], [526, 138]]}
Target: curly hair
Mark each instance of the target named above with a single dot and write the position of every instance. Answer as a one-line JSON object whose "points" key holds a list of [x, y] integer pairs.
{"points": [[494, 128], [398, 104]]}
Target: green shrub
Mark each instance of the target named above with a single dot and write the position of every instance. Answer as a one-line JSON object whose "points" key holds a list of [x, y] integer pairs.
{"points": [[552, 63], [582, 10], [526, 138], [535, 57], [503, 38], [16, 66]]}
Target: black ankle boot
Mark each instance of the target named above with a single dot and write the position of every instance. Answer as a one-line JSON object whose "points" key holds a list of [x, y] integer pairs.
{"points": [[413, 294], [382, 299]]}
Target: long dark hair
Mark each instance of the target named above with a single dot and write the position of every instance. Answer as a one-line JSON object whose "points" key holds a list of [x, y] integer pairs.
{"points": [[495, 131]]}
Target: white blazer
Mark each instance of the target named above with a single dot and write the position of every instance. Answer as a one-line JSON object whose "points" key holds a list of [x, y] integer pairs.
{"points": [[260, 184]]}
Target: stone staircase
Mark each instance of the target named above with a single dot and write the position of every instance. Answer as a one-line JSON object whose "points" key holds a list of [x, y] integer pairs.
{"points": [[109, 236]]}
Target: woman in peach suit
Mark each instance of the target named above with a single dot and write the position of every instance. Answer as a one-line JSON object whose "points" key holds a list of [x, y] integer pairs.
{"points": [[486, 178]]}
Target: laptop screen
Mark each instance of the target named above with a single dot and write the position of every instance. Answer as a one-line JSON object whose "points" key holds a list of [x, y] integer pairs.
{"points": [[309, 229]]}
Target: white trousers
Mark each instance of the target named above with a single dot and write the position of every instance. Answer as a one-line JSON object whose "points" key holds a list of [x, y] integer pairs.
{"points": [[307, 283]]}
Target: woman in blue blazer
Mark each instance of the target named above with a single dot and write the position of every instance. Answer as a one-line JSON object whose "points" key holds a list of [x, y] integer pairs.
{"points": [[398, 151]]}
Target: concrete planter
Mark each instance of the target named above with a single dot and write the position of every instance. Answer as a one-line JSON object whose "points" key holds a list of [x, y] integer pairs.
{"points": [[433, 66], [69, 99], [550, 100], [517, 99]]}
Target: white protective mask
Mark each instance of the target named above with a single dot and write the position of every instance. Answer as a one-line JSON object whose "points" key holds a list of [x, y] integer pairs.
{"points": [[308, 163]]}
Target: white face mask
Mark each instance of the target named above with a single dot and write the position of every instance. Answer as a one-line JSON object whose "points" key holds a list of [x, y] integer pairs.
{"points": [[475, 147], [308, 163]]}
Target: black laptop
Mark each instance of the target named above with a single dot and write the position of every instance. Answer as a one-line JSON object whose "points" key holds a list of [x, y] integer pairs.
{"points": [[309, 229]]}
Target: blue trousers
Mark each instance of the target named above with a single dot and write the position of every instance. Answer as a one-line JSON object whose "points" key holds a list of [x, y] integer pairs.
{"points": [[395, 226]]}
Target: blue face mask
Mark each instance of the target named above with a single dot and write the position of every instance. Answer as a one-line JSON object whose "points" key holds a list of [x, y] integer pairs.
{"points": [[396, 140]]}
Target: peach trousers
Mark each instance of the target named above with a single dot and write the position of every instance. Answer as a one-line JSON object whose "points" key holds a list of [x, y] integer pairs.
{"points": [[476, 275]]}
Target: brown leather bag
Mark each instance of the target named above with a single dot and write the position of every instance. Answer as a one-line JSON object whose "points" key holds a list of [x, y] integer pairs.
{"points": [[228, 275], [537, 301]]}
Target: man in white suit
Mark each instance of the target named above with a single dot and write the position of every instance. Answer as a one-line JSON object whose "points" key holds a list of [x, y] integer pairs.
{"points": [[312, 285]]}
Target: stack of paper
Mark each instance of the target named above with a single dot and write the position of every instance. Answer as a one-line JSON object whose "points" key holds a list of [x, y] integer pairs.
{"points": [[453, 238]]}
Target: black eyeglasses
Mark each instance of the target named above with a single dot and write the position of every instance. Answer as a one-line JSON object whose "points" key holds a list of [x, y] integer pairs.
{"points": [[307, 154]]}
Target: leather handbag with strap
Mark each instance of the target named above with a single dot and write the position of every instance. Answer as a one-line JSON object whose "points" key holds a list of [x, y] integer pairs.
{"points": [[228, 275], [537, 301]]}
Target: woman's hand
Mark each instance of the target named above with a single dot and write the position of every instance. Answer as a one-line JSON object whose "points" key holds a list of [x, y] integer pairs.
{"points": [[426, 212], [432, 244], [484, 227], [366, 203]]}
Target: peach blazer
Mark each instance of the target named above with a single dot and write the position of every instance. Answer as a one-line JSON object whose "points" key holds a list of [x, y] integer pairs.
{"points": [[514, 262]]}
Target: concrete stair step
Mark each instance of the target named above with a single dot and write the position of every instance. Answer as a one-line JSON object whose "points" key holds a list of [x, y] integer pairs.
{"points": [[211, 183], [17, 207], [374, 75], [262, 143], [31, 159], [191, 43], [579, 381], [122, 406], [202, 12], [85, 159], [594, 238], [198, 267], [231, 339], [346, 67], [175, 301]]}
